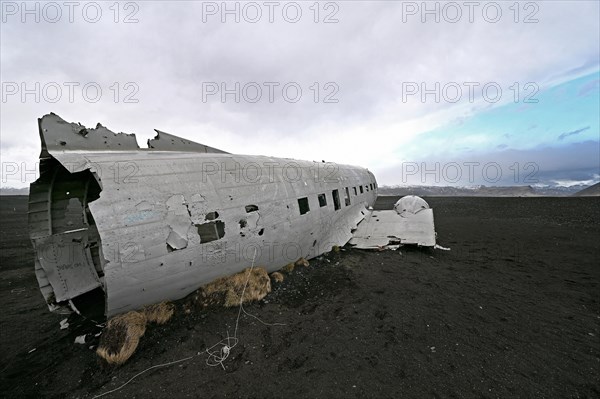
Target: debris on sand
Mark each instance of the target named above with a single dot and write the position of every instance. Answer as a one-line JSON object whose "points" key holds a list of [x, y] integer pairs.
{"points": [[277, 277], [302, 262], [227, 291], [123, 332], [159, 313], [288, 268], [121, 337], [80, 339]]}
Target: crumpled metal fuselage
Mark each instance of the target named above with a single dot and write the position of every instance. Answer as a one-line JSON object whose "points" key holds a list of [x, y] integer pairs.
{"points": [[127, 226]]}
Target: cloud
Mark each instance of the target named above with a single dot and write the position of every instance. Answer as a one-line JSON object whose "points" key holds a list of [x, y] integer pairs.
{"points": [[570, 183], [368, 55], [572, 133]]}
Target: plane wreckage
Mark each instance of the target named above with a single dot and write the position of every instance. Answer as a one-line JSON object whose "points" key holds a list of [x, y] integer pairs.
{"points": [[122, 227]]}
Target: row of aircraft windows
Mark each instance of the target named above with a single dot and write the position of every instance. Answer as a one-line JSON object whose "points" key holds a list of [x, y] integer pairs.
{"points": [[335, 194]]}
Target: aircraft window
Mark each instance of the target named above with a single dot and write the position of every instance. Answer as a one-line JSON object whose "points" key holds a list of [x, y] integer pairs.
{"points": [[211, 231], [361, 189], [322, 200], [336, 200], [347, 197], [355, 192], [367, 187], [303, 205], [371, 185]]}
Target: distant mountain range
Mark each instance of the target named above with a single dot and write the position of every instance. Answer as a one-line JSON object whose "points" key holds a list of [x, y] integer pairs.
{"points": [[490, 191], [450, 191], [591, 191]]}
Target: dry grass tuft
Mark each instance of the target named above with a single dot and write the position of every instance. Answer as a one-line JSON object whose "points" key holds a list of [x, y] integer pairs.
{"points": [[288, 268], [302, 262], [227, 291], [121, 337], [277, 277], [335, 248], [159, 313]]}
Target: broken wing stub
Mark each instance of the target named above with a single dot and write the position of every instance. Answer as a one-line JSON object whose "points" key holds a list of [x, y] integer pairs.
{"points": [[411, 222]]}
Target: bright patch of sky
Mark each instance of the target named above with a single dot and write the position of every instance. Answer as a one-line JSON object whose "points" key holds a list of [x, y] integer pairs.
{"points": [[557, 116]]}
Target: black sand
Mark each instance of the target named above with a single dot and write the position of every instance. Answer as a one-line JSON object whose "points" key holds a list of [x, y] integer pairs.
{"points": [[513, 310]]}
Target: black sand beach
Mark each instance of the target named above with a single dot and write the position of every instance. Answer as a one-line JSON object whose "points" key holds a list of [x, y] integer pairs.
{"points": [[512, 310]]}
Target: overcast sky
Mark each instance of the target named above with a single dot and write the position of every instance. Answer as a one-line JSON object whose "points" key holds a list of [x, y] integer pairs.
{"points": [[420, 93]]}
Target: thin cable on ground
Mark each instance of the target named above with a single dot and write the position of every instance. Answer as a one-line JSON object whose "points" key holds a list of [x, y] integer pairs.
{"points": [[215, 357], [256, 317], [140, 373]]}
